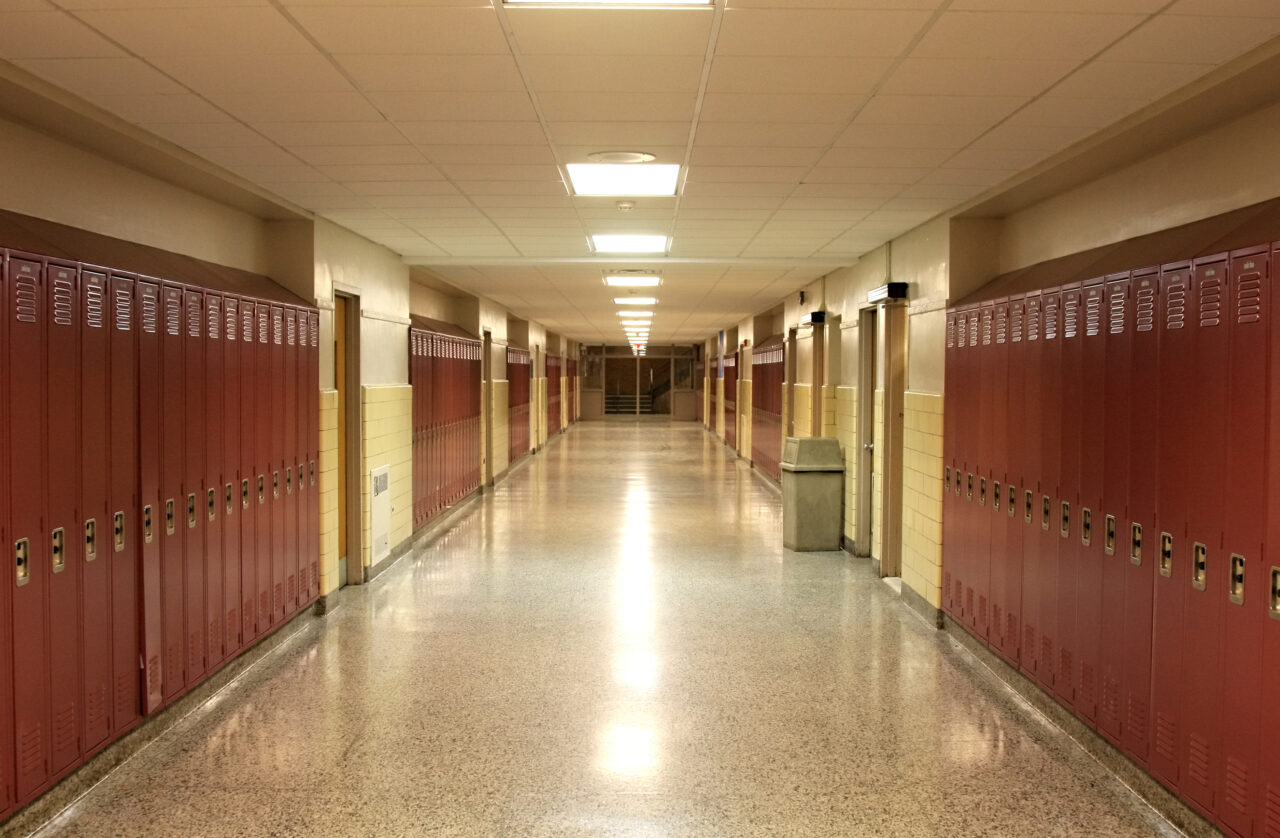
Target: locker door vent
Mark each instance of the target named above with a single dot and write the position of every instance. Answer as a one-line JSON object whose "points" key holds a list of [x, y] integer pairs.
{"points": [[124, 308], [213, 328], [1166, 737], [315, 331], [1136, 718], [1236, 787], [1033, 320], [1146, 308], [1088, 683], [1118, 299], [95, 301], [1271, 828], [1051, 314], [1029, 640], [124, 694], [30, 745], [291, 336], [1093, 314], [1198, 759], [95, 707], [1110, 708], [150, 311], [1210, 299], [63, 300], [246, 323], [172, 313], [1071, 316], [277, 327], [1175, 310], [231, 320], [1001, 326], [951, 338], [64, 728], [264, 326], [973, 330], [1249, 297], [26, 305], [1017, 321]]}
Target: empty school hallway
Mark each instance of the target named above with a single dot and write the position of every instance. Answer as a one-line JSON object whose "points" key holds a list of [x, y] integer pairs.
{"points": [[613, 642]]}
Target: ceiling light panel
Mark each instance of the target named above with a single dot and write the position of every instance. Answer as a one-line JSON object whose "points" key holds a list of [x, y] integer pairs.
{"points": [[635, 301], [622, 243], [623, 180], [633, 281], [635, 314], [629, 3]]}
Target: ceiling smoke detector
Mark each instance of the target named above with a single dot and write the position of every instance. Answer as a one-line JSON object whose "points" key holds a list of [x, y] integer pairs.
{"points": [[621, 157]]}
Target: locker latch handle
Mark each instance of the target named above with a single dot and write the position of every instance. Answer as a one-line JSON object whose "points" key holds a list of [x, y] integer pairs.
{"points": [[1030, 502], [1065, 527], [1166, 554], [957, 482], [59, 549], [191, 510], [117, 526], [90, 539], [995, 496], [1199, 566], [946, 478], [231, 498], [969, 494], [1235, 591], [312, 466], [1135, 544], [1274, 608], [212, 502], [288, 480], [244, 493], [982, 491], [1012, 504], [1045, 515], [262, 492], [275, 484], [302, 476], [170, 521], [22, 561], [1086, 526], [1109, 537], [146, 523]]}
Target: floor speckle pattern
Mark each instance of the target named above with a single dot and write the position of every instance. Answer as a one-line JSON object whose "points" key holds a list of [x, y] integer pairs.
{"points": [[614, 643]]}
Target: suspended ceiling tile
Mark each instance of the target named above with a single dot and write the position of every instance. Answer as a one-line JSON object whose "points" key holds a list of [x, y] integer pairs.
{"points": [[50, 34], [512, 187], [470, 106], [178, 107], [416, 72], [1023, 35], [778, 74], [342, 155], [1104, 79], [1093, 6], [865, 175], [969, 76], [887, 157], [611, 31], [604, 107], [473, 132], [1226, 8], [772, 107], [624, 135], [615, 73], [304, 73], [402, 187], [404, 30], [758, 156], [746, 174], [397, 172], [263, 154], [372, 133], [770, 134], [228, 30], [511, 155], [91, 77], [868, 33], [295, 106], [939, 110], [1076, 113], [1204, 39], [212, 134], [478, 172], [862, 134]]}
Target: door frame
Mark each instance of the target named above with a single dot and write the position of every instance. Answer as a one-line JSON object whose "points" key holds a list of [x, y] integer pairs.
{"points": [[352, 553]]}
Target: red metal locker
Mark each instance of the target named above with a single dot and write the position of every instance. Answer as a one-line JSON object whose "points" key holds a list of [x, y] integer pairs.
{"points": [[7, 755], [95, 458], [1088, 532], [313, 456], [150, 502], [1143, 537], [287, 427], [1267, 606], [978, 584], [1241, 713], [252, 483], [25, 426], [1028, 415], [965, 404], [1205, 610], [1006, 625], [992, 499], [124, 531], [1171, 547], [234, 498], [193, 483], [171, 523], [949, 459], [1067, 515], [1048, 499], [275, 449], [1114, 525], [62, 475], [213, 500]]}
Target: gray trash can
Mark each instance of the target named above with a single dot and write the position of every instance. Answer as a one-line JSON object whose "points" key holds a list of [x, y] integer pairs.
{"points": [[812, 494]]}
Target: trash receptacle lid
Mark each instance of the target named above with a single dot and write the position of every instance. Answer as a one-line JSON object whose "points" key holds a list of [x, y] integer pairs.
{"points": [[811, 454]]}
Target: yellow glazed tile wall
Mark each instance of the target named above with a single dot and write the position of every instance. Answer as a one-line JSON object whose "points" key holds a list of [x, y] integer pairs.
{"points": [[877, 476], [328, 491], [786, 411], [829, 410], [847, 433], [744, 423], [538, 413], [803, 409], [501, 431], [719, 418], [564, 402], [387, 429], [922, 496]]}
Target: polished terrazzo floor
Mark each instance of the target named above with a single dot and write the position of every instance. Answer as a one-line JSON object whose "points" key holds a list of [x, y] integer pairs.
{"points": [[614, 643]]}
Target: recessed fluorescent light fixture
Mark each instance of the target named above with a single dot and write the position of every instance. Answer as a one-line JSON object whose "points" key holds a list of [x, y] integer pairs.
{"points": [[624, 180], [635, 301], [633, 281], [607, 2], [635, 314], [635, 322], [613, 243]]}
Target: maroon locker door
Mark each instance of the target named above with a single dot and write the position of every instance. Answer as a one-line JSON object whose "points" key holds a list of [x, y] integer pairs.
{"points": [[949, 431], [62, 417], [149, 499], [287, 427], [1143, 537], [25, 426], [1171, 547], [730, 400], [232, 496], [1247, 581], [1049, 488], [1206, 581], [193, 480], [95, 458], [1088, 530], [276, 453], [313, 447], [992, 498], [124, 550], [964, 403], [978, 585], [300, 457], [1011, 428], [1028, 415], [252, 618], [1116, 552], [1067, 515], [212, 502], [1267, 606], [6, 651], [172, 518]]}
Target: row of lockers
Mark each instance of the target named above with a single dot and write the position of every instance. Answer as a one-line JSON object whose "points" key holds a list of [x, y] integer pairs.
{"points": [[766, 407], [444, 371], [159, 498], [1109, 525]]}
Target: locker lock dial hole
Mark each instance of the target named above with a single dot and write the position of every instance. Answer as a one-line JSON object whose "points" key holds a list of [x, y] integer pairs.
{"points": [[22, 561], [1135, 545], [170, 518], [1110, 536], [90, 540], [1029, 502], [1199, 566], [59, 550], [1274, 607], [1235, 591], [146, 523], [117, 529], [1166, 554]]}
